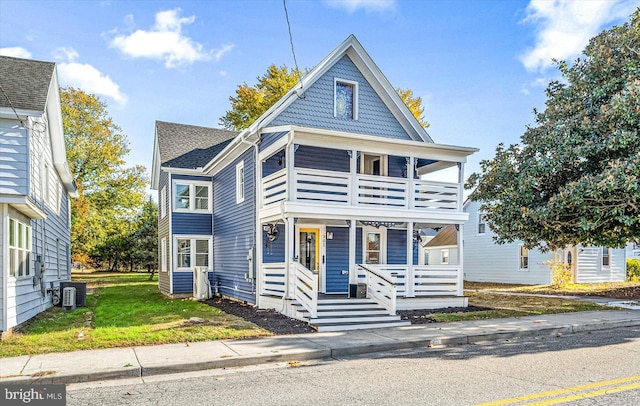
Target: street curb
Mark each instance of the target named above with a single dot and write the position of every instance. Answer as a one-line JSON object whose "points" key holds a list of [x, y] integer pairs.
{"points": [[325, 353]]}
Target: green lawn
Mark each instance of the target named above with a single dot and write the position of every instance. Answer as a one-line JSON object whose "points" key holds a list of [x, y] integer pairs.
{"points": [[125, 310], [573, 289]]}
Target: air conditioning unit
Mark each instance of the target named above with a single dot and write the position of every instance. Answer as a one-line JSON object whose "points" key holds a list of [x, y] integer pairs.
{"points": [[201, 286], [69, 298]]}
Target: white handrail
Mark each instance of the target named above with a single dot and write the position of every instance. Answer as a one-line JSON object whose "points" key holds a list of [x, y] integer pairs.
{"points": [[306, 287], [381, 287]]}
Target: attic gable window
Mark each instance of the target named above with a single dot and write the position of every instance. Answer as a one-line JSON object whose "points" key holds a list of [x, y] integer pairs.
{"points": [[345, 104]]}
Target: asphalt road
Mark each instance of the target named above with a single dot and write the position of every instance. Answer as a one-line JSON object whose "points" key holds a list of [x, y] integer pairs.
{"points": [[601, 368]]}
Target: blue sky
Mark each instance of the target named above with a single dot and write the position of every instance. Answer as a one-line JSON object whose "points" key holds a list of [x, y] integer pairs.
{"points": [[479, 66]]}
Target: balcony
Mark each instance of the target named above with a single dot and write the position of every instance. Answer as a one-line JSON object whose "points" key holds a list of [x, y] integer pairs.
{"points": [[323, 187]]}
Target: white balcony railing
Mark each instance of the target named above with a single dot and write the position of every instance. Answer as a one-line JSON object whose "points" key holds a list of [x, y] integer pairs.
{"points": [[419, 280], [306, 287], [335, 188]]}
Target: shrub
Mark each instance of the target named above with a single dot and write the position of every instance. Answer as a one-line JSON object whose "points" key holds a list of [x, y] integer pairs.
{"points": [[633, 269], [560, 273]]}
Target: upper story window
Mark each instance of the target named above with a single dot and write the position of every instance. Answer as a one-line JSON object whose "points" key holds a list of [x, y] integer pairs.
{"points": [[606, 256], [240, 182], [345, 99], [19, 248], [524, 258], [192, 196], [482, 225]]}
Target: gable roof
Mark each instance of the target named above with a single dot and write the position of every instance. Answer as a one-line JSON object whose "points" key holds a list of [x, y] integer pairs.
{"points": [[352, 48], [25, 83], [446, 236], [189, 146]]}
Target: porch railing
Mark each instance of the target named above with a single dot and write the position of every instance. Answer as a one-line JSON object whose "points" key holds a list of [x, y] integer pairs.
{"points": [[335, 188], [274, 279], [381, 288], [418, 280], [306, 287]]}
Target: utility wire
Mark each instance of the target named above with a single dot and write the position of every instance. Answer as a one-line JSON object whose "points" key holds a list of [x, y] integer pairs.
{"points": [[11, 104], [295, 61]]}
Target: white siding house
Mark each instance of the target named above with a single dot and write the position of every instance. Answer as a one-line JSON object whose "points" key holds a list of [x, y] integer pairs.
{"points": [[486, 261], [35, 187]]}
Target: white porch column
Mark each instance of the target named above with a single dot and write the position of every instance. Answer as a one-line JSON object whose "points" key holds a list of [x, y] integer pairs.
{"points": [[290, 163], [353, 183], [460, 185], [289, 235], [408, 278], [411, 191], [460, 260], [353, 269]]}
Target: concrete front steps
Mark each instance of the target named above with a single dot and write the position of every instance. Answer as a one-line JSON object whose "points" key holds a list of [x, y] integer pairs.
{"points": [[350, 314]]}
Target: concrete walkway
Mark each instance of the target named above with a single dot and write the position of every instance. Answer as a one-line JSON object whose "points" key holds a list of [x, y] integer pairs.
{"points": [[94, 365]]}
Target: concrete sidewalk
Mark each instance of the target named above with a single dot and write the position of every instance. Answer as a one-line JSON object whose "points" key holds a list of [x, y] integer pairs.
{"points": [[94, 365]]}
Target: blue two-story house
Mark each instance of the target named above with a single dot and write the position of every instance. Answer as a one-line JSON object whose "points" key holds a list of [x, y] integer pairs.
{"points": [[35, 190], [314, 209]]}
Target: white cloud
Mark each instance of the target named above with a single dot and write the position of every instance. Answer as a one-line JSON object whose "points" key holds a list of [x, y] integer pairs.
{"points": [[16, 52], [367, 5], [65, 54], [165, 41], [219, 53], [565, 27], [85, 76], [223, 73]]}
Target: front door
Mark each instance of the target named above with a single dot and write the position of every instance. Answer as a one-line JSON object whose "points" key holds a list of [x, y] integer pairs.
{"points": [[309, 249]]}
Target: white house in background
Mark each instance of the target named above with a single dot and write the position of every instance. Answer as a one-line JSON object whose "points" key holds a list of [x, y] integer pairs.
{"points": [[441, 249], [35, 189], [486, 261]]}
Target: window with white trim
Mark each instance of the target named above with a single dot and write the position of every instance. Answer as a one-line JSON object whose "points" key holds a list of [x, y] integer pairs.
{"points": [[524, 258], [192, 251], [445, 256], [163, 202], [606, 256], [19, 249], [482, 225], [345, 99], [193, 196], [240, 182], [163, 255]]}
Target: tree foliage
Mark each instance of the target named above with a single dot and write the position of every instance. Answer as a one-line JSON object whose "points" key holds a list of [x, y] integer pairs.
{"points": [[575, 176], [111, 194], [250, 102], [414, 104]]}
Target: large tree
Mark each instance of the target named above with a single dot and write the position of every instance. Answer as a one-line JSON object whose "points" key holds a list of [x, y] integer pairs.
{"points": [[250, 102], [575, 175], [111, 194]]}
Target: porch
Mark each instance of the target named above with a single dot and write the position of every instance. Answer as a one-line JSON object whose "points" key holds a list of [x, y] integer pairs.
{"points": [[339, 210]]}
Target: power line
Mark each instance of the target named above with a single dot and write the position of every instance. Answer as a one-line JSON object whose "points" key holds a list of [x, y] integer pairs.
{"points": [[286, 14], [11, 104]]}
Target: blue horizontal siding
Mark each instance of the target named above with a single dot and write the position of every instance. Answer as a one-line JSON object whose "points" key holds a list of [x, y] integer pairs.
{"points": [[182, 282], [275, 251], [191, 223], [266, 140], [337, 260], [191, 177], [327, 159], [396, 247], [397, 166], [358, 245], [274, 163], [234, 230]]}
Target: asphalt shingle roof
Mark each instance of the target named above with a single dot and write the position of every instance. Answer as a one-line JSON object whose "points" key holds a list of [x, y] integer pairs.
{"points": [[25, 82], [190, 146]]}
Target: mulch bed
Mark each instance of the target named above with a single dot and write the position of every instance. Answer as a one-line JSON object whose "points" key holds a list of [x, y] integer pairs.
{"points": [[422, 316], [268, 319], [279, 324], [628, 293]]}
